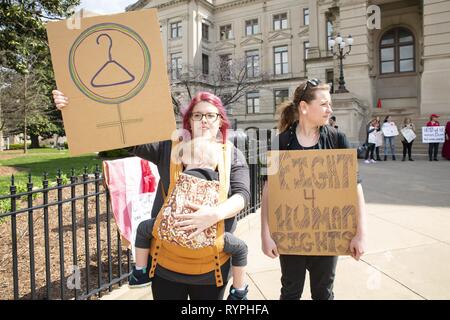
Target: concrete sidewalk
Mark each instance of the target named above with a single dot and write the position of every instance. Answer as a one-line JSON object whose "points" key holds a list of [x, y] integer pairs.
{"points": [[408, 256]]}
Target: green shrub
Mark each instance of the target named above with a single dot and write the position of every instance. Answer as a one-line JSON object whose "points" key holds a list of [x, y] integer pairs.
{"points": [[5, 206], [18, 146], [116, 153]]}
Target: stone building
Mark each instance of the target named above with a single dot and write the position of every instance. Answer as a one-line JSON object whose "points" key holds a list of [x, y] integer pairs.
{"points": [[399, 60]]}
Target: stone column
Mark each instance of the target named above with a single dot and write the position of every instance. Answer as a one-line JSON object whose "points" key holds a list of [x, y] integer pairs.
{"points": [[435, 83], [314, 51], [352, 21]]}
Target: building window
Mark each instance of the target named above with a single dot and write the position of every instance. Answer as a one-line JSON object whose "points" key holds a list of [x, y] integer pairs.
{"points": [[330, 31], [280, 21], [205, 64], [176, 66], [306, 16], [281, 65], [397, 51], [205, 32], [225, 66], [252, 59], [175, 30], [253, 102], [280, 96], [330, 79], [226, 32], [251, 27], [305, 49]]}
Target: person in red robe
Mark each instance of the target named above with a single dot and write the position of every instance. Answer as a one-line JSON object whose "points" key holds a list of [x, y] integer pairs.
{"points": [[446, 147]]}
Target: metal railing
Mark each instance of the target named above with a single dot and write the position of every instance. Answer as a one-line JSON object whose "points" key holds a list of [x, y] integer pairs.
{"points": [[59, 242]]}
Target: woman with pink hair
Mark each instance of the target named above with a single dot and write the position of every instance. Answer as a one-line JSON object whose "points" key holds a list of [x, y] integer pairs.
{"points": [[205, 117]]}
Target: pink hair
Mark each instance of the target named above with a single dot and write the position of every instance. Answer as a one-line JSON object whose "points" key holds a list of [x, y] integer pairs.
{"points": [[215, 101]]}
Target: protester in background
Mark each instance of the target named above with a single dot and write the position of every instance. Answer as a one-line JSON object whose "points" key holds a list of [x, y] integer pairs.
{"points": [[371, 140], [379, 142], [390, 140], [433, 147], [446, 147], [407, 146], [333, 122]]}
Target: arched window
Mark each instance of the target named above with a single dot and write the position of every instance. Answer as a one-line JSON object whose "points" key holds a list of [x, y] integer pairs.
{"points": [[397, 53]]}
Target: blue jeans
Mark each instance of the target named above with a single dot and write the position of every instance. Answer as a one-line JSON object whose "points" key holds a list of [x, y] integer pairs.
{"points": [[391, 143]]}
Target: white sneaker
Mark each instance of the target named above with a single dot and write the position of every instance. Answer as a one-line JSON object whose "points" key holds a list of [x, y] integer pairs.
{"points": [[372, 161], [367, 161]]}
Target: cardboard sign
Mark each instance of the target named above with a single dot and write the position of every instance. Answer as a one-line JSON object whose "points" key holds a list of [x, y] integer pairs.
{"points": [[379, 141], [433, 134], [408, 134], [313, 201], [113, 70], [141, 210], [389, 129]]}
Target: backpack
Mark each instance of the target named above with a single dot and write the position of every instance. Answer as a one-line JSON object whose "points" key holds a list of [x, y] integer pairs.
{"points": [[186, 260]]}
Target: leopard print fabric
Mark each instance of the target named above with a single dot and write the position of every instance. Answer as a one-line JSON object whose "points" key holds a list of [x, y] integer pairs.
{"points": [[193, 190]]}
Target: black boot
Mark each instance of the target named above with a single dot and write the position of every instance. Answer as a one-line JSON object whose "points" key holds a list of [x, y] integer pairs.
{"points": [[385, 158], [393, 158], [403, 159]]}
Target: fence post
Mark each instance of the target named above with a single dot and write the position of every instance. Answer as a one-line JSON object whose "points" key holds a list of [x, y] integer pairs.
{"points": [[73, 180], [60, 233], [46, 236], [12, 191], [31, 237]]}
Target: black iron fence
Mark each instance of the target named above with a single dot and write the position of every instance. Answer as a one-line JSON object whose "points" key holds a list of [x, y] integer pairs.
{"points": [[58, 241]]}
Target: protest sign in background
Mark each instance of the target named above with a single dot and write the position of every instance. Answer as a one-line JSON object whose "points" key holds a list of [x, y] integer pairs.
{"points": [[389, 129], [408, 134], [433, 134]]}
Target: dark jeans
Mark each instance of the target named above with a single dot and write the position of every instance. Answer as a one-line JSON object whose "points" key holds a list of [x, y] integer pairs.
{"points": [[322, 271], [433, 150], [163, 289], [377, 151], [370, 149], [407, 147]]}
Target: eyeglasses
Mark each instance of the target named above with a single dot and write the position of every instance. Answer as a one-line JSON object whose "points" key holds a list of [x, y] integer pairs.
{"points": [[312, 83], [210, 117]]}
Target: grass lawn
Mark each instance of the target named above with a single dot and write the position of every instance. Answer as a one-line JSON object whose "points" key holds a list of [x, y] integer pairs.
{"points": [[38, 161]]}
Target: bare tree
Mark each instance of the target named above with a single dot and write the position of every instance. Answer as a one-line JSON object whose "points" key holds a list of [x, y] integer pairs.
{"points": [[23, 98], [229, 79]]}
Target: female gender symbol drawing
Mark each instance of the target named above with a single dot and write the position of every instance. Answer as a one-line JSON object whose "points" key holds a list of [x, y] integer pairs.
{"points": [[108, 64], [112, 83]]}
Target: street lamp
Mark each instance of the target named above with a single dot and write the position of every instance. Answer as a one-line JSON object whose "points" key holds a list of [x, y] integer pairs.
{"points": [[340, 43]]}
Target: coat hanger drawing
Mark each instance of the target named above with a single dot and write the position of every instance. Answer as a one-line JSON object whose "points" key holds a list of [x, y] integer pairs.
{"points": [[109, 65]]}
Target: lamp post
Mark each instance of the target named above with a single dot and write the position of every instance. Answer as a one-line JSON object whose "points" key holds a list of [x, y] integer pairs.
{"points": [[340, 43]]}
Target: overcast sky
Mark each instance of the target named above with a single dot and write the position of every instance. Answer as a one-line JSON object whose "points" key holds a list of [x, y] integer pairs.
{"points": [[105, 6]]}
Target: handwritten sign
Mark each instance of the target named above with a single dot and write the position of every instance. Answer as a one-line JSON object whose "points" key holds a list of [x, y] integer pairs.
{"points": [[389, 129], [141, 209], [379, 140], [433, 134], [113, 70], [408, 134], [313, 201]]}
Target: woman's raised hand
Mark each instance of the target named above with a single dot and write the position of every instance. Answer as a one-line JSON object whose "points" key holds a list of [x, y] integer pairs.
{"points": [[61, 101]]}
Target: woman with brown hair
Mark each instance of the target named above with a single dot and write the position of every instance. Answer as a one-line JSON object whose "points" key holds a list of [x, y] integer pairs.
{"points": [[303, 126]]}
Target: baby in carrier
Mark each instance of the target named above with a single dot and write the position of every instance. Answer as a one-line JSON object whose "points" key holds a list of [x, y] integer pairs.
{"points": [[200, 159]]}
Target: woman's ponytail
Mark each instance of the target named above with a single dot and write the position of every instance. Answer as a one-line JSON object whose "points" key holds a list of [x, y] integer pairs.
{"points": [[288, 112]]}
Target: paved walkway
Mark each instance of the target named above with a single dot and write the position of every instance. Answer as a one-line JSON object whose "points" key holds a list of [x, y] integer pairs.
{"points": [[408, 206]]}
